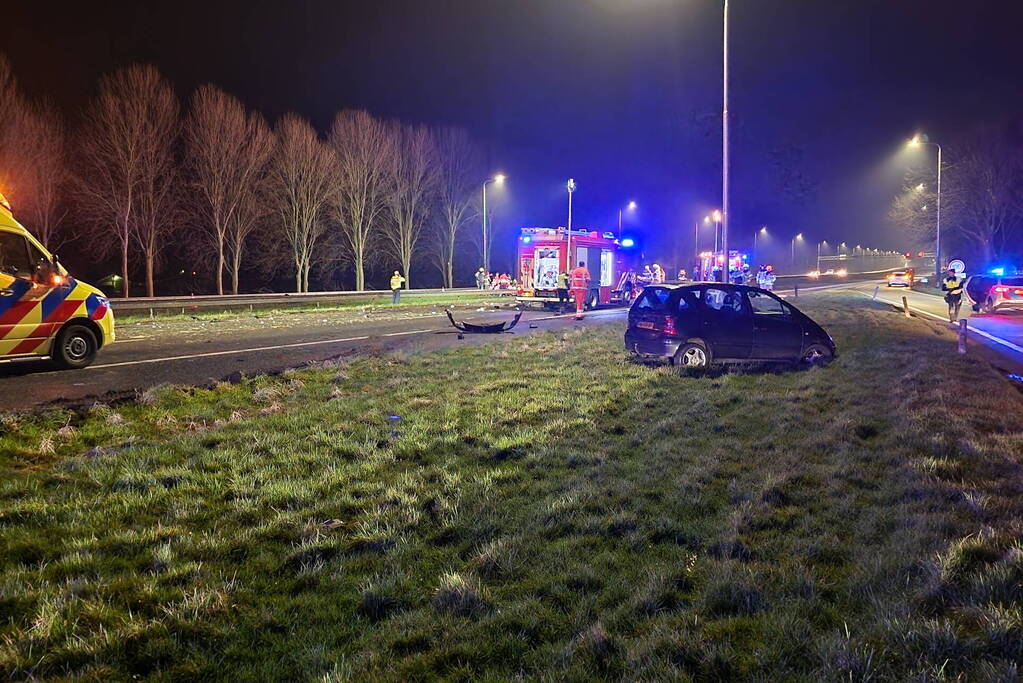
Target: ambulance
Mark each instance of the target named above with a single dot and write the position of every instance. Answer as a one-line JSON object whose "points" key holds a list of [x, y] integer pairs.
{"points": [[44, 312]]}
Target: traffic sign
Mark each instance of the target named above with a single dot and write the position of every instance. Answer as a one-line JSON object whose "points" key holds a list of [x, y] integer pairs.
{"points": [[957, 265]]}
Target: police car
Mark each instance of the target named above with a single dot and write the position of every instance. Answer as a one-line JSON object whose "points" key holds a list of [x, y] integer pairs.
{"points": [[995, 292], [43, 310]]}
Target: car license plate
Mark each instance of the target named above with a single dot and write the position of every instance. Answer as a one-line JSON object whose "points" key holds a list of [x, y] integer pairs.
{"points": [[645, 326]]}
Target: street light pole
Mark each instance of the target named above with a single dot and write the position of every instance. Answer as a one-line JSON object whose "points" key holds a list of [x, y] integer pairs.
{"points": [[724, 143], [797, 237], [570, 186], [499, 178], [763, 231], [922, 141], [630, 207]]}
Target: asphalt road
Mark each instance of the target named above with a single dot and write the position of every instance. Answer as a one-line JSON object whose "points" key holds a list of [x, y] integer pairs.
{"points": [[1002, 333], [198, 352]]}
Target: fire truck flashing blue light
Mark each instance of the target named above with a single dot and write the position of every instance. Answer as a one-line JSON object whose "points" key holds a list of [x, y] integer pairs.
{"points": [[526, 239], [628, 242], [998, 271]]}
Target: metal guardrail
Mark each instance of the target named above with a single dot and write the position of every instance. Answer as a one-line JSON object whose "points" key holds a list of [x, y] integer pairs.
{"points": [[159, 305]]}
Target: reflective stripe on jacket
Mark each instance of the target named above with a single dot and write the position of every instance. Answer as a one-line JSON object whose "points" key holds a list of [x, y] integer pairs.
{"points": [[580, 278], [952, 286], [397, 281]]}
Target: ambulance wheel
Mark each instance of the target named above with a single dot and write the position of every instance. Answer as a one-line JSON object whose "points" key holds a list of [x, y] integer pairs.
{"points": [[592, 300], [75, 347]]}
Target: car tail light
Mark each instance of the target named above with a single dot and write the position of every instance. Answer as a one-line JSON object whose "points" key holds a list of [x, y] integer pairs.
{"points": [[669, 326], [1001, 289]]}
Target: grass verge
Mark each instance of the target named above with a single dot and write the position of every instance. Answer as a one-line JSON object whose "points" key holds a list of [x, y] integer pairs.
{"points": [[542, 507]]}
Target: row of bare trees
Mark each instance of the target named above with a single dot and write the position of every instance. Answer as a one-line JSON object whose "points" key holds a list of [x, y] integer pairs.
{"points": [[220, 185], [981, 195]]}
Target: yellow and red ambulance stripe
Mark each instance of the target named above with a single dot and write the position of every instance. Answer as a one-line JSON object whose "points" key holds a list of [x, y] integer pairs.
{"points": [[47, 314]]}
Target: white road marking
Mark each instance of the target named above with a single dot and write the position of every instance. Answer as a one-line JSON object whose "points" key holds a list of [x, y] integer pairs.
{"points": [[987, 335], [225, 353]]}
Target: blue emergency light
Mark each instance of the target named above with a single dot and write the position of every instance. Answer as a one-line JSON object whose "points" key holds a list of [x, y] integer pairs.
{"points": [[526, 239], [628, 242]]}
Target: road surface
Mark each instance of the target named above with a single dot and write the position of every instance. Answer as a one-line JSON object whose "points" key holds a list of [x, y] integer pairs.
{"points": [[184, 351], [1002, 333]]}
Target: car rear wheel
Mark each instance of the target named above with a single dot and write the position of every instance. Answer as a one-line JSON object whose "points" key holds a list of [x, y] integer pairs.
{"points": [[75, 347], [691, 355], [816, 354]]}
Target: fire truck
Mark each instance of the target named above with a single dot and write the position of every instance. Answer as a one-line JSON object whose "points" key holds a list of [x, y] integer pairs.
{"points": [[542, 255]]}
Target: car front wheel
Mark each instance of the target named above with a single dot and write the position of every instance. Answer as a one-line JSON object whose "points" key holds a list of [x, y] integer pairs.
{"points": [[988, 306], [691, 355], [75, 347], [816, 354]]}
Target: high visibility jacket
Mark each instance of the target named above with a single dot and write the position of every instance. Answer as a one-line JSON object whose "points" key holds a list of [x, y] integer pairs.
{"points": [[562, 280], [952, 286], [397, 281], [580, 278]]}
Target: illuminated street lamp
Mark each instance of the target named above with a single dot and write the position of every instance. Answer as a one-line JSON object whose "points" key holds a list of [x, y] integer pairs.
{"points": [[570, 186], [498, 180], [819, 254], [797, 237], [922, 141], [761, 231], [717, 217], [631, 206]]}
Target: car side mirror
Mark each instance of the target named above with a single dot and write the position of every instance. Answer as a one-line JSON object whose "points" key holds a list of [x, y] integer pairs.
{"points": [[48, 273]]}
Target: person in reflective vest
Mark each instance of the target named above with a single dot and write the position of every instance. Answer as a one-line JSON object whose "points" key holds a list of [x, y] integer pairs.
{"points": [[396, 282], [563, 290], [953, 289], [579, 281]]}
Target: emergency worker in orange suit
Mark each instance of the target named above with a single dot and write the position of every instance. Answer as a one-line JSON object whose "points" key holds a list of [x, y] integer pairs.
{"points": [[579, 282]]}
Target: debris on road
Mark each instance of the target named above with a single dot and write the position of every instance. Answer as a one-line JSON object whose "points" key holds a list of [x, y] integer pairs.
{"points": [[492, 328]]}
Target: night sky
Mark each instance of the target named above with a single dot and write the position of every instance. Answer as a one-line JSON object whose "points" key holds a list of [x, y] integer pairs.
{"points": [[622, 95]]}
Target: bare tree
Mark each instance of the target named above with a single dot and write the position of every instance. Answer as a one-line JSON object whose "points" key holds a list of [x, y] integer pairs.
{"points": [[414, 177], [32, 150], [459, 168], [302, 177], [126, 163], [364, 150], [981, 200], [45, 174], [984, 195], [228, 151]]}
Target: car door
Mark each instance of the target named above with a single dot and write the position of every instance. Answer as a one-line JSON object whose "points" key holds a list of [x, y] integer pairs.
{"points": [[727, 323], [777, 334], [19, 295]]}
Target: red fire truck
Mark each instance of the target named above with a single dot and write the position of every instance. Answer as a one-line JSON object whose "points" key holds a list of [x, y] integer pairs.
{"points": [[542, 255]]}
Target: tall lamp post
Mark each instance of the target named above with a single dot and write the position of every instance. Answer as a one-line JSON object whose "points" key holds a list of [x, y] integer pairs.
{"points": [[724, 141], [717, 217], [819, 254], [570, 186], [797, 237], [498, 179], [922, 141], [631, 206], [761, 231]]}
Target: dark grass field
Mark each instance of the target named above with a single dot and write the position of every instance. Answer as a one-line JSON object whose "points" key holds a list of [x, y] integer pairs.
{"points": [[539, 508]]}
